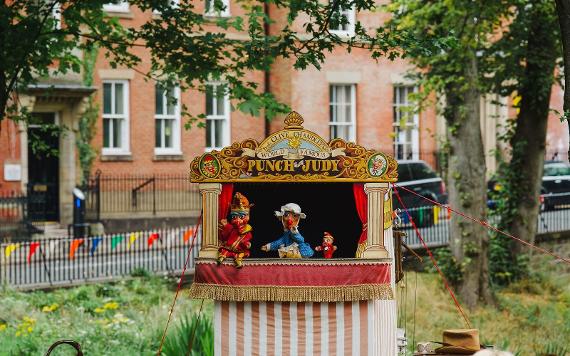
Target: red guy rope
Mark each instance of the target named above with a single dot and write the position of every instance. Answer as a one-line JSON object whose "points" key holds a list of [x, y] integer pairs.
{"points": [[170, 312], [434, 261], [486, 224]]}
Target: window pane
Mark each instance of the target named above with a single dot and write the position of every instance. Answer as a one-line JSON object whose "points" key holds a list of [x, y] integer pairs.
{"points": [[107, 98], [343, 132], [106, 133], [170, 101], [421, 171], [209, 100], [159, 103], [220, 101], [168, 126], [117, 129], [209, 133], [119, 105], [158, 133], [219, 132]]}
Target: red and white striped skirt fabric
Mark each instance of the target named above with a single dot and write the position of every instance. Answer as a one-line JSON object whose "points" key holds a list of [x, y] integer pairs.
{"points": [[290, 329]]}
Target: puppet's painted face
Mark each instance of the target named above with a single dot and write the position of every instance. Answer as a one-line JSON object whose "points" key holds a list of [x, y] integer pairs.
{"points": [[290, 219], [328, 240], [239, 219]]}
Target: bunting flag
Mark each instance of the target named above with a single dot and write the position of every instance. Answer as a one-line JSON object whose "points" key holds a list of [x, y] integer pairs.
{"points": [[74, 245], [115, 240], [188, 234], [95, 243], [134, 236], [33, 247], [435, 215], [11, 248], [152, 238], [405, 218]]}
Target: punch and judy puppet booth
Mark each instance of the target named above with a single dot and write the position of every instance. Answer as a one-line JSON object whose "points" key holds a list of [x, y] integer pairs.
{"points": [[297, 248]]}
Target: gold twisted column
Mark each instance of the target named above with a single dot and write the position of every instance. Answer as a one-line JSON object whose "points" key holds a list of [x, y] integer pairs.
{"points": [[210, 193], [375, 233]]}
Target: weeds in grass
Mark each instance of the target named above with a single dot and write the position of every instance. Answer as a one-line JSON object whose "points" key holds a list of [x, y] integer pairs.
{"points": [[193, 336]]}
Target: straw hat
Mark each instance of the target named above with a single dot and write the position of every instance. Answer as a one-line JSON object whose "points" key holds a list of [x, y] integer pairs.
{"points": [[460, 341]]}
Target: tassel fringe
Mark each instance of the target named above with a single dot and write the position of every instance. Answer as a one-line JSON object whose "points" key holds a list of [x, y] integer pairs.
{"points": [[291, 294]]}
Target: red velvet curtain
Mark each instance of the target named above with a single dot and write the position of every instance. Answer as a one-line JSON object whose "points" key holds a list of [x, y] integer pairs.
{"points": [[225, 200], [361, 201]]}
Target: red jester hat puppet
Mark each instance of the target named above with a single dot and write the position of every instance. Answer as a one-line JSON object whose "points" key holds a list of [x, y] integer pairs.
{"points": [[235, 236]]}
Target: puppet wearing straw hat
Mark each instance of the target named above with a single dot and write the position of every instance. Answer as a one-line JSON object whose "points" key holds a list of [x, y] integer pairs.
{"points": [[291, 244], [235, 237]]}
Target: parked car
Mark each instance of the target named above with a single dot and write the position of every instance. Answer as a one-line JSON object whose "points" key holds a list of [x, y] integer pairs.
{"points": [[556, 184], [555, 190], [420, 178]]}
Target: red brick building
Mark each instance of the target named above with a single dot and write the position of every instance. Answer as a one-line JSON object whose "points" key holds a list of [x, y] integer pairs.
{"points": [[140, 130]]}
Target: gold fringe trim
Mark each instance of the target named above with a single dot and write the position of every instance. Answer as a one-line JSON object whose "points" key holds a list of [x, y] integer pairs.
{"points": [[291, 294]]}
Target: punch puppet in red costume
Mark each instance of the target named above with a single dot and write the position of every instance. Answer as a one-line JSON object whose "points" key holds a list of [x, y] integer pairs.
{"points": [[235, 236], [327, 246]]}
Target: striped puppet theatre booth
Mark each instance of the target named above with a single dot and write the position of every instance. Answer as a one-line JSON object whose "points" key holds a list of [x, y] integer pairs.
{"points": [[297, 249]]}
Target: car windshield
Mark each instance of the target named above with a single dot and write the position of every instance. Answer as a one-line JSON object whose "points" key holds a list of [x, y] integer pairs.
{"points": [[558, 169], [414, 171]]}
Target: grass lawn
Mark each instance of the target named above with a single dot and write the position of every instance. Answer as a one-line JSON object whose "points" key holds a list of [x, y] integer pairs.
{"points": [[531, 317], [124, 318]]}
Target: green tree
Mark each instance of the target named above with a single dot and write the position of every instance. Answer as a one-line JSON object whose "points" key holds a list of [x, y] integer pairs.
{"points": [[454, 75], [522, 62], [563, 11], [185, 46], [33, 45]]}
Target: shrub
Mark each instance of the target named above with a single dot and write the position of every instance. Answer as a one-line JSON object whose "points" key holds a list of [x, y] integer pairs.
{"points": [[196, 331]]}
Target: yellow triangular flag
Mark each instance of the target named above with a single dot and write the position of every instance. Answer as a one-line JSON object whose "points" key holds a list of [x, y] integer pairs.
{"points": [[10, 248], [435, 215], [134, 236]]}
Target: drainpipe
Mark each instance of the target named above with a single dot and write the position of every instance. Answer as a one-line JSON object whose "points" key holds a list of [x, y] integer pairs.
{"points": [[267, 72]]}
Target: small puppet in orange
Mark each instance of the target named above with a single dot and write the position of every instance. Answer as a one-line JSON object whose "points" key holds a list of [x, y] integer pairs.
{"points": [[327, 246], [235, 236]]}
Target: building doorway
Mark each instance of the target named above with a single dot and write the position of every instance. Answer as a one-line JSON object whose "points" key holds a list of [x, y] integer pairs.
{"points": [[43, 168]]}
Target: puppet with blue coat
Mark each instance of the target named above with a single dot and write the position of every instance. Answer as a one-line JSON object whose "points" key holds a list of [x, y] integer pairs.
{"points": [[291, 243]]}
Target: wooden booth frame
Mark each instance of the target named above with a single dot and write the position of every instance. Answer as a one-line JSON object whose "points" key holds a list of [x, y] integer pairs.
{"points": [[298, 155]]}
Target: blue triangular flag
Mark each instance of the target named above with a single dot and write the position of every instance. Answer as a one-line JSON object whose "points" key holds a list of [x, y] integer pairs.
{"points": [[405, 218], [95, 244]]}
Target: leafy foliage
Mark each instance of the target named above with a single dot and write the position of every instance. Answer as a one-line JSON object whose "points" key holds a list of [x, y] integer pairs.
{"points": [[186, 46], [449, 266], [196, 331]]}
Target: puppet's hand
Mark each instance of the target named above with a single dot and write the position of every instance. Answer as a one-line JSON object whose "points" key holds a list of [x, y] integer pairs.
{"points": [[222, 223], [318, 248], [265, 247], [248, 245], [294, 230]]}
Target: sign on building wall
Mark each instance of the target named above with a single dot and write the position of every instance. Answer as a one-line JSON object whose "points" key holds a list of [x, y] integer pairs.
{"points": [[12, 172]]}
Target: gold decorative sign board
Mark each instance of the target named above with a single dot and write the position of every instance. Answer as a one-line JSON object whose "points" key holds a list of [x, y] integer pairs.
{"points": [[294, 154]]}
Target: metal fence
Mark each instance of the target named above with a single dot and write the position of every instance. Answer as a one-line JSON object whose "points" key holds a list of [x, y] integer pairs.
{"points": [[65, 261], [433, 224], [112, 195]]}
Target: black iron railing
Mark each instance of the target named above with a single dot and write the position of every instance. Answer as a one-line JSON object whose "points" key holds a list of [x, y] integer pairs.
{"points": [[109, 195]]}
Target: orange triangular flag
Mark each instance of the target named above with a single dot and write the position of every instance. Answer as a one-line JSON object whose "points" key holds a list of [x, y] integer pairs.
{"points": [[74, 245], [188, 234]]}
